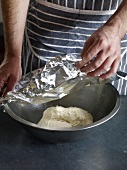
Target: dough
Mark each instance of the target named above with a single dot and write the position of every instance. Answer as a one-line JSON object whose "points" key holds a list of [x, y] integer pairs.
{"points": [[60, 117]]}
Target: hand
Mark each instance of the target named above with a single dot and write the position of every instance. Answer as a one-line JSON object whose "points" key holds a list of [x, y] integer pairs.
{"points": [[10, 73], [101, 53]]}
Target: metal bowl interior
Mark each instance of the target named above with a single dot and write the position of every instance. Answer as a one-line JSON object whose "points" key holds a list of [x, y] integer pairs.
{"points": [[101, 101]]}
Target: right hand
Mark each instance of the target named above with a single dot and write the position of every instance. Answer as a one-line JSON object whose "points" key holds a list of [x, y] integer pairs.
{"points": [[104, 43], [10, 73]]}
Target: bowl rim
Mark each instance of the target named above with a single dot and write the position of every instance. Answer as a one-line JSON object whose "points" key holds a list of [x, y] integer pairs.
{"points": [[77, 128]]}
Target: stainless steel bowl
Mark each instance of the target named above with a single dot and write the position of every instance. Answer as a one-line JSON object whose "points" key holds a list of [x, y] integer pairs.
{"points": [[101, 101]]}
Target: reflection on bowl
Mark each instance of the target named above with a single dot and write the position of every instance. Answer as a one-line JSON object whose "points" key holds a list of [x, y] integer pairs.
{"points": [[101, 101]]}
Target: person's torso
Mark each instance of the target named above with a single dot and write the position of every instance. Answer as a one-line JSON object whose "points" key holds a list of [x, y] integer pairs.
{"points": [[58, 27]]}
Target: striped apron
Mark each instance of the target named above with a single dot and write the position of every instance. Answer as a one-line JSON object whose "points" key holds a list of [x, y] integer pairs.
{"points": [[60, 27]]}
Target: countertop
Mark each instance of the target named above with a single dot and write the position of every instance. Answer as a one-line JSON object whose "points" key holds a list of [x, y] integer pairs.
{"points": [[104, 149]]}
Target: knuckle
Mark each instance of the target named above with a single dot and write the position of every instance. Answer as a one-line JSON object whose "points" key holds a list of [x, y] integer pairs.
{"points": [[104, 69], [119, 58], [116, 53], [99, 60], [95, 64], [102, 43], [87, 57], [110, 48], [90, 55]]}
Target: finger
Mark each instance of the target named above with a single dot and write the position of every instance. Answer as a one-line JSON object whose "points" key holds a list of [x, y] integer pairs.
{"points": [[2, 82], [103, 68], [96, 63], [112, 70], [90, 53], [87, 44], [1, 85], [10, 85]]}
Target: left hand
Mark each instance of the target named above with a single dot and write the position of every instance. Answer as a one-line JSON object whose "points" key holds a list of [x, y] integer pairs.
{"points": [[105, 45]]}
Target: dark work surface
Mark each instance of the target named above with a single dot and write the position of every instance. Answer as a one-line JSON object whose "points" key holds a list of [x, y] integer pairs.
{"points": [[104, 149]]}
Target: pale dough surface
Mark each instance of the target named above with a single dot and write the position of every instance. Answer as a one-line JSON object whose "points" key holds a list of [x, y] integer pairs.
{"points": [[60, 117]]}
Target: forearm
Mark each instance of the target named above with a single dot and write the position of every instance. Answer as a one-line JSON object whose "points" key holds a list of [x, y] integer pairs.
{"points": [[118, 21], [14, 17]]}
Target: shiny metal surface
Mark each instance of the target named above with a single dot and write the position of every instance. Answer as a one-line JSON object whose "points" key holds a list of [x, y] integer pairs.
{"points": [[102, 101]]}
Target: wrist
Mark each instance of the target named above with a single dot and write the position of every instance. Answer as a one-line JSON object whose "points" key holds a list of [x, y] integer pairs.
{"points": [[116, 26], [12, 50], [12, 55], [119, 20]]}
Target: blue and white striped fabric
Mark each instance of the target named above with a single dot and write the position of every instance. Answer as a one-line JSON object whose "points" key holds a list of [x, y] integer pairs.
{"points": [[59, 27]]}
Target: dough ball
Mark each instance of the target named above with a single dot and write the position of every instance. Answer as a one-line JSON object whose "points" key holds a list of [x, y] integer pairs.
{"points": [[60, 117]]}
